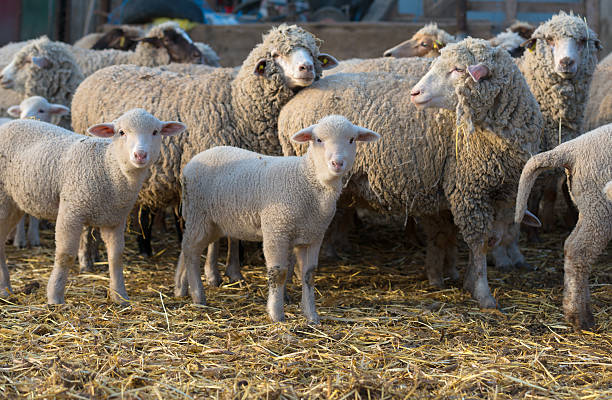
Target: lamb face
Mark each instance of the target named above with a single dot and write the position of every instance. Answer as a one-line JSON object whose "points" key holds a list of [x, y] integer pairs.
{"points": [[39, 108], [137, 137]]}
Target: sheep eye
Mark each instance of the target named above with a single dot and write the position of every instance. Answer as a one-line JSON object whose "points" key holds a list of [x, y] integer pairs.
{"points": [[351, 140], [319, 140], [121, 133], [460, 70], [41, 111], [424, 44], [154, 133]]}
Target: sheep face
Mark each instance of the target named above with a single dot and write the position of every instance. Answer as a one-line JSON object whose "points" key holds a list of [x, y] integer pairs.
{"points": [[39, 108], [30, 64], [297, 67], [437, 87], [420, 45], [333, 145], [566, 41], [178, 44], [136, 137]]}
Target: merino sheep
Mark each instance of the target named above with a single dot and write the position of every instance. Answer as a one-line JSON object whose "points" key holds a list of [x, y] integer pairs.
{"points": [[588, 164], [468, 163], [76, 180], [599, 106], [222, 107], [287, 202], [124, 37], [558, 67], [426, 42], [38, 108]]}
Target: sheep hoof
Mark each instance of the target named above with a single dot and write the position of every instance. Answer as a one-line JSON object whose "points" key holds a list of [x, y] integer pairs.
{"points": [[581, 321], [180, 291], [233, 278], [215, 281], [437, 283], [314, 320], [6, 292], [487, 302]]}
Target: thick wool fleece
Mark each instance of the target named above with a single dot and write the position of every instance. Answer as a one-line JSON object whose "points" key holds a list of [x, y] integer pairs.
{"points": [[222, 107], [562, 101], [599, 106], [402, 66], [418, 168]]}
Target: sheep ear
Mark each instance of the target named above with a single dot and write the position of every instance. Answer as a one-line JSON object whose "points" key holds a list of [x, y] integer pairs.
{"points": [[478, 72], [260, 68], [598, 45], [153, 41], [530, 44], [531, 220], [58, 109], [327, 61], [14, 111], [41, 62], [366, 135], [102, 130], [305, 135], [172, 128]]}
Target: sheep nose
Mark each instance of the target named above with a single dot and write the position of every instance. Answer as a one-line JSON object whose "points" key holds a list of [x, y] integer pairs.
{"points": [[387, 54], [415, 92], [337, 164], [308, 67], [566, 62], [140, 155]]}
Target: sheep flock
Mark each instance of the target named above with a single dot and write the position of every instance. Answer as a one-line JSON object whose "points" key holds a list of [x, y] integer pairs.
{"points": [[453, 153]]}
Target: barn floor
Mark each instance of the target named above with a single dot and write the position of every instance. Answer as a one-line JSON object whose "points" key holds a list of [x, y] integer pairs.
{"points": [[384, 334]]}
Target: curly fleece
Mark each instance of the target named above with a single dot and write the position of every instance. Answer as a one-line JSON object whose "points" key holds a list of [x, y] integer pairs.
{"points": [[222, 107]]}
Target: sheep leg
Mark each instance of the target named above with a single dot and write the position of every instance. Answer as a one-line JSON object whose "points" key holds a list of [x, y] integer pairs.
{"points": [[20, 234], [475, 280], [585, 243], [7, 223], [514, 251], [145, 223], [290, 274], [67, 232], [571, 214], [88, 248], [276, 254], [213, 278], [450, 253], [232, 271], [195, 238], [114, 240], [441, 250], [33, 231], [308, 257]]}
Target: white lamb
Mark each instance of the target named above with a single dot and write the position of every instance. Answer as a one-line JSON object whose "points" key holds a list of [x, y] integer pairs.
{"points": [[76, 180], [288, 202]]}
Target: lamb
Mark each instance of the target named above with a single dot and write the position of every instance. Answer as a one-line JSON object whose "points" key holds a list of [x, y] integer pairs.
{"points": [[468, 163], [38, 108], [223, 107], [558, 67], [77, 180], [599, 106], [287, 202], [426, 42], [588, 164]]}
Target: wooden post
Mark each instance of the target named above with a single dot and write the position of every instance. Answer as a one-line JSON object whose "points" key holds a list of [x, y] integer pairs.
{"points": [[592, 14], [461, 19], [511, 7]]}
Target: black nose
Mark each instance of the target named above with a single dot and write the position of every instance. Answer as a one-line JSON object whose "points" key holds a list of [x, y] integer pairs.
{"points": [[387, 54], [306, 67], [566, 62], [415, 92]]}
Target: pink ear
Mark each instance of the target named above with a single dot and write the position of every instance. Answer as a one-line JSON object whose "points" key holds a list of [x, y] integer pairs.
{"points": [[102, 130], [58, 109], [14, 111], [327, 61], [42, 62], [478, 72], [304, 135], [366, 135], [172, 128]]}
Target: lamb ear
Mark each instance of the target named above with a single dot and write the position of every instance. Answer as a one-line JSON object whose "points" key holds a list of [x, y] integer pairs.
{"points": [[260, 68], [41, 62], [530, 44], [14, 111], [366, 135], [305, 135], [531, 220], [478, 72], [102, 130], [58, 109], [172, 128], [327, 61]]}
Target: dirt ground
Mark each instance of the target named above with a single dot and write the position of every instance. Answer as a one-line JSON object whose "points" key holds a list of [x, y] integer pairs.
{"points": [[384, 333]]}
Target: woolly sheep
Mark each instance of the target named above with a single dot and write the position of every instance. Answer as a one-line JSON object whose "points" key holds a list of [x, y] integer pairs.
{"points": [[588, 164], [223, 107], [124, 37], [524, 29], [76, 180], [598, 111], [511, 41], [287, 202], [426, 42], [558, 67], [38, 108], [448, 162]]}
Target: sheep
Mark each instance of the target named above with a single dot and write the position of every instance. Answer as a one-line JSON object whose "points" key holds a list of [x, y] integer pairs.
{"points": [[426, 42], [598, 111], [223, 107], [124, 37], [588, 165], [468, 163], [524, 29], [511, 41], [38, 108], [286, 202], [558, 67], [77, 180]]}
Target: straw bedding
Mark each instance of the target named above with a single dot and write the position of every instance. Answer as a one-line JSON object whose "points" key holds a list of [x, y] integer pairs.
{"points": [[384, 334]]}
